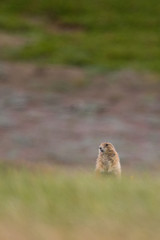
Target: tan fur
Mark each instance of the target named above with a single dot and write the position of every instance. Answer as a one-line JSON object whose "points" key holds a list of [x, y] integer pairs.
{"points": [[108, 161]]}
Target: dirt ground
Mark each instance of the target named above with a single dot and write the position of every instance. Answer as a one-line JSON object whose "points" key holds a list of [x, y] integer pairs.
{"points": [[61, 114]]}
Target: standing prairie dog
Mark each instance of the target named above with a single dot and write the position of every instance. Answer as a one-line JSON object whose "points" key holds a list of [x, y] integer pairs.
{"points": [[108, 161]]}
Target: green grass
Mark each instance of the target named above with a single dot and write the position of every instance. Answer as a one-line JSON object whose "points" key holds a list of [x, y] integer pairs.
{"points": [[79, 49], [66, 205], [109, 33]]}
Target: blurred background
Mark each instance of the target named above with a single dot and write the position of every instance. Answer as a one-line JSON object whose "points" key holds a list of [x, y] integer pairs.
{"points": [[75, 74], [72, 75]]}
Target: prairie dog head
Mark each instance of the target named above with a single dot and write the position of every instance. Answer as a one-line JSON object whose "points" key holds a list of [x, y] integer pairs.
{"points": [[107, 148]]}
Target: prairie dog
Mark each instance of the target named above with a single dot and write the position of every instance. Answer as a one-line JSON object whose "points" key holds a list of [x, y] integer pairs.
{"points": [[108, 161]]}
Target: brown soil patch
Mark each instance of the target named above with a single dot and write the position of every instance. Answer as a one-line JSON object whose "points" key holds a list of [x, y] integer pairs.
{"points": [[61, 114]]}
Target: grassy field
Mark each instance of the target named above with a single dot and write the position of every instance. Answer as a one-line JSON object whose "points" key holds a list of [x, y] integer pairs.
{"points": [[75, 205], [103, 34]]}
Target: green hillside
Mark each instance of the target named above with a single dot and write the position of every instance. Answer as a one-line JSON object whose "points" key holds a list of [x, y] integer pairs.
{"points": [[106, 33]]}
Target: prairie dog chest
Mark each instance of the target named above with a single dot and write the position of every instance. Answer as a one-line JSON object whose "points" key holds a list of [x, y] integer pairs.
{"points": [[104, 164]]}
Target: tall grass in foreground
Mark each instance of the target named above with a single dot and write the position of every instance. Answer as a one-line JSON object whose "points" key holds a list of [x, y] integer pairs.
{"points": [[64, 205]]}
